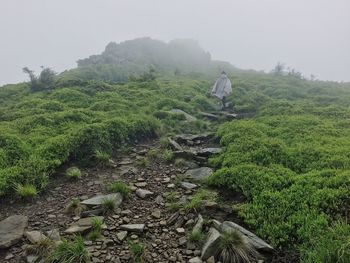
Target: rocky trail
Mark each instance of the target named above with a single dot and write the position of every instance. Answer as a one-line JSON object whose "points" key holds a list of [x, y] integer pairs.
{"points": [[151, 216]]}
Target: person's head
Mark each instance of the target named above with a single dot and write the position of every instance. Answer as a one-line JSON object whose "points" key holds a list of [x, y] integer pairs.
{"points": [[223, 73]]}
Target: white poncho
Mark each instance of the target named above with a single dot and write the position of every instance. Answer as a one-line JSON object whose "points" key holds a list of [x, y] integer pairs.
{"points": [[222, 87]]}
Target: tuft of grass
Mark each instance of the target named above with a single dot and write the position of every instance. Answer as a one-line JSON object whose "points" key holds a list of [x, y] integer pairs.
{"points": [[137, 249], [73, 173], [164, 142], [26, 191], [108, 205], [199, 198], [70, 252], [75, 207], [234, 248], [41, 248], [96, 228], [153, 154], [120, 187], [144, 162], [102, 157], [196, 237], [167, 155], [180, 162]]}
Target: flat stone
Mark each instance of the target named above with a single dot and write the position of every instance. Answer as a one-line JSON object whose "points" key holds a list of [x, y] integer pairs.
{"points": [[199, 173], [122, 235], [188, 186], [156, 213], [180, 230], [141, 184], [257, 242], [195, 260], [133, 227], [35, 236], [206, 152], [12, 229], [199, 224], [174, 145], [82, 225], [211, 246], [159, 199], [188, 117], [54, 234], [185, 138], [142, 193], [99, 199]]}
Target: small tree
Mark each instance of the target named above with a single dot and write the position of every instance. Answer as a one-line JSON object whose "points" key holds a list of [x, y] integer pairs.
{"points": [[44, 81], [279, 69]]}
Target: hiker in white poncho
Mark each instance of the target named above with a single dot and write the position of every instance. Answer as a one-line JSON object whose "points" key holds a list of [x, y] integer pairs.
{"points": [[222, 88]]}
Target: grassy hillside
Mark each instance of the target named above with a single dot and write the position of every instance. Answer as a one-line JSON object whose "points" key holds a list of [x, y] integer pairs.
{"points": [[291, 160]]}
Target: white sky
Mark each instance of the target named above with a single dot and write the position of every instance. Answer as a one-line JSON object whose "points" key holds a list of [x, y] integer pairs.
{"points": [[312, 36]]}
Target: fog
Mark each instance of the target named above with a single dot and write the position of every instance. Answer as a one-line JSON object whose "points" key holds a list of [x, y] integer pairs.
{"points": [[312, 36]]}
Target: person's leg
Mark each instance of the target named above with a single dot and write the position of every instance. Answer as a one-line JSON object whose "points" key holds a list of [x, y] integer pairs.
{"points": [[223, 102]]}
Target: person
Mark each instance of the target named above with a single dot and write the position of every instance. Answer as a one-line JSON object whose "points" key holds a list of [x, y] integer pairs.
{"points": [[222, 88]]}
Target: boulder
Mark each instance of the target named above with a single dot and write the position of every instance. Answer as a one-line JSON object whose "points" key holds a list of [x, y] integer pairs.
{"points": [[133, 227], [199, 224], [199, 173], [188, 117], [99, 199], [174, 145], [82, 225], [211, 246], [12, 230], [142, 193], [254, 240]]}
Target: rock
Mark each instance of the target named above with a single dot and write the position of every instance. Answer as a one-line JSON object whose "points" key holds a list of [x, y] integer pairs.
{"points": [[159, 199], [141, 184], [174, 145], [142, 193], [35, 236], [32, 259], [257, 242], [199, 173], [211, 260], [180, 230], [54, 235], [195, 260], [209, 116], [170, 186], [82, 225], [156, 213], [211, 246], [99, 199], [9, 256], [199, 224], [216, 224], [186, 138], [182, 241], [122, 235], [12, 229], [93, 212], [188, 186], [133, 227], [188, 117], [206, 152], [172, 219]]}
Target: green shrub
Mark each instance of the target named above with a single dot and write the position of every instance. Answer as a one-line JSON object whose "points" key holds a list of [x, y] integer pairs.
{"points": [[73, 173], [26, 191], [70, 252], [120, 187], [102, 157], [167, 155], [137, 249]]}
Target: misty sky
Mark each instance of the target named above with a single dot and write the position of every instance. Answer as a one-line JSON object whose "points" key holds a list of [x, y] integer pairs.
{"points": [[312, 36]]}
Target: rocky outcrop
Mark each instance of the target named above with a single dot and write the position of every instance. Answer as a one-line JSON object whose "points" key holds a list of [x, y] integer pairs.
{"points": [[12, 230], [211, 246], [199, 173], [99, 199]]}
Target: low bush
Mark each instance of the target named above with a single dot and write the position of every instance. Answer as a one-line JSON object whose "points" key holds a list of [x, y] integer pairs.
{"points": [[26, 191], [73, 173], [120, 187]]}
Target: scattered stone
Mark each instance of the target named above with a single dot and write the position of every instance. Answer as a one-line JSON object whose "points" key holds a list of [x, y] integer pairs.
{"points": [[180, 230], [141, 184], [133, 227], [12, 229], [170, 186], [99, 199], [159, 199], [188, 186], [195, 260], [32, 259], [211, 245], [142, 193], [156, 213], [199, 173], [172, 219], [35, 236], [185, 138], [122, 235], [206, 152], [182, 241], [257, 242]]}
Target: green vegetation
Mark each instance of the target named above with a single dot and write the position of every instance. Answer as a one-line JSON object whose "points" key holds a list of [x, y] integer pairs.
{"points": [[120, 187], [167, 155], [74, 207], [95, 232], [41, 248], [73, 173], [199, 198], [108, 205], [70, 252], [196, 237], [26, 191], [137, 249]]}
